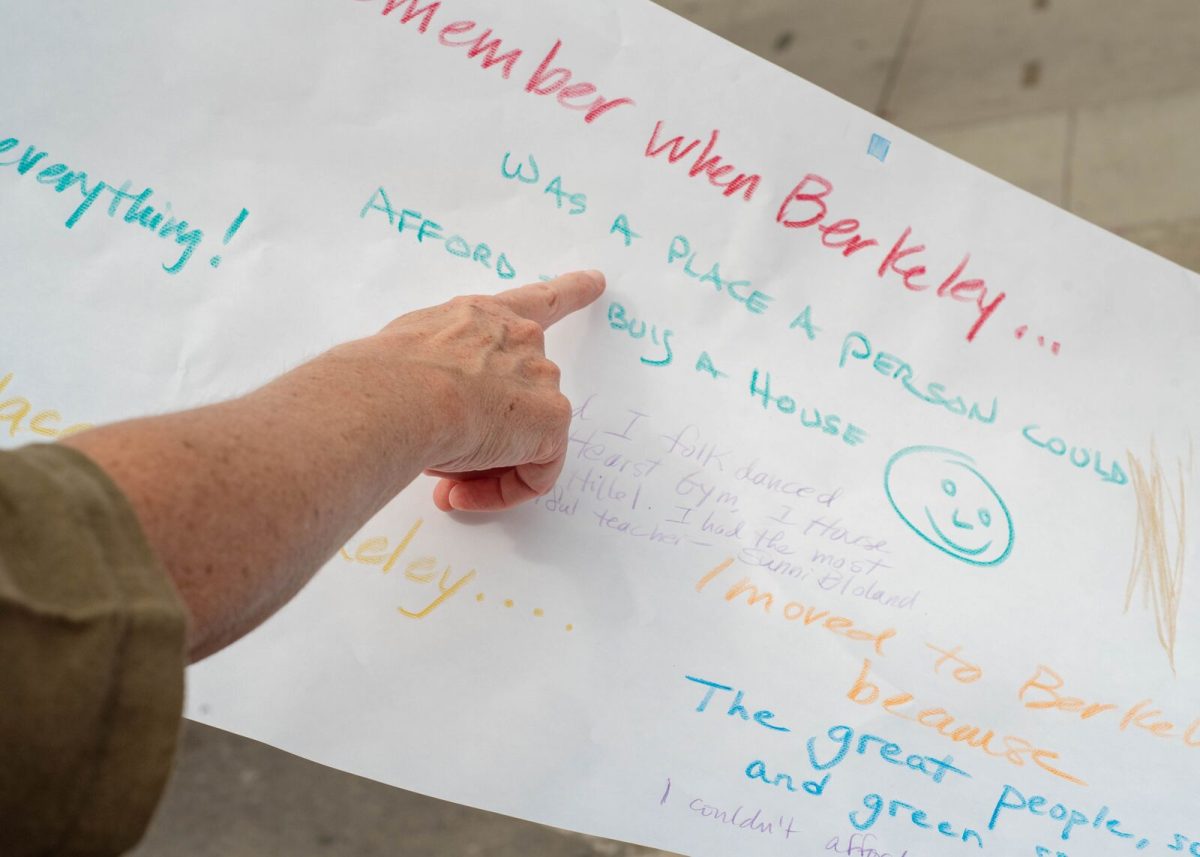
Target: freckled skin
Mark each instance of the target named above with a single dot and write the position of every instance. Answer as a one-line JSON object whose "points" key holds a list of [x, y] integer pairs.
{"points": [[244, 500]]}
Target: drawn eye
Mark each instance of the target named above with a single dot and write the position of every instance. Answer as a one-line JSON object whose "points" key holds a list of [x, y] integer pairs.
{"points": [[949, 487], [985, 517]]}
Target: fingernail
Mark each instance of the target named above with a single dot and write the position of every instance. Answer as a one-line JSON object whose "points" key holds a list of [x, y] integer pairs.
{"points": [[596, 277]]}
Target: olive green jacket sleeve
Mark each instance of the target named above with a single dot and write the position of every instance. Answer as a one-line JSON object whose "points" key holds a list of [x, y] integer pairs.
{"points": [[91, 660]]}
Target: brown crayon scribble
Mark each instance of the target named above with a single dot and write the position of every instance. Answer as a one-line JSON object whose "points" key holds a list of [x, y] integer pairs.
{"points": [[1160, 544]]}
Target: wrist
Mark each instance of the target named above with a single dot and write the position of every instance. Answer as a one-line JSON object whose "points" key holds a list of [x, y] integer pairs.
{"points": [[415, 402]]}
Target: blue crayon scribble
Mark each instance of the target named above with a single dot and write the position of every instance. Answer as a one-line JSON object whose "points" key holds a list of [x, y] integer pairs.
{"points": [[879, 147], [857, 347], [577, 201], [1066, 820], [229, 233], [942, 498], [427, 229], [619, 319], [158, 221], [518, 173], [1079, 456], [876, 804]]}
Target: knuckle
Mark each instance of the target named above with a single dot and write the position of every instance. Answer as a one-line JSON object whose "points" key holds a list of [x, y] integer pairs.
{"points": [[551, 296], [473, 304], [476, 315], [541, 369], [528, 330], [561, 410], [551, 445]]}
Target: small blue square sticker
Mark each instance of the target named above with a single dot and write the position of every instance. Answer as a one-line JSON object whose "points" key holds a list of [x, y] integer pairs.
{"points": [[879, 147]]}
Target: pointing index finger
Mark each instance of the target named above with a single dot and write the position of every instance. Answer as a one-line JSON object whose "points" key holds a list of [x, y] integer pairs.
{"points": [[552, 301]]}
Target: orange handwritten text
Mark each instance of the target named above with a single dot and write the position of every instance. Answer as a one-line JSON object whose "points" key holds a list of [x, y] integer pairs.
{"points": [[964, 672], [1014, 750], [421, 571], [1161, 544], [794, 611], [1041, 692]]}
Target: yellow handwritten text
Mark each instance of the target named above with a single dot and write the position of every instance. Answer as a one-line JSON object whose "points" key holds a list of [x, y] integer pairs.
{"points": [[421, 571], [14, 410]]}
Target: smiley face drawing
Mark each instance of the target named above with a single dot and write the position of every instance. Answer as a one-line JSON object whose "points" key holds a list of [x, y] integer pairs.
{"points": [[948, 503]]}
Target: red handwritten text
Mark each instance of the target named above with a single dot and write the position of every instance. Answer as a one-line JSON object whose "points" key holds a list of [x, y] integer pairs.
{"points": [[484, 45], [806, 206], [706, 162]]}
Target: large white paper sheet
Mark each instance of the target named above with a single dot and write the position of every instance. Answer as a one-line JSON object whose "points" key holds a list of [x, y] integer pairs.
{"points": [[873, 538]]}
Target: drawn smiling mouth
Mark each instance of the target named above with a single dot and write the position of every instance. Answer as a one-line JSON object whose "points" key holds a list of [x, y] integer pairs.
{"points": [[951, 542]]}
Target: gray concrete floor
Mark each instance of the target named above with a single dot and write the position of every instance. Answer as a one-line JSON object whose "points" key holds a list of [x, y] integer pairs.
{"points": [[232, 797], [1093, 105]]}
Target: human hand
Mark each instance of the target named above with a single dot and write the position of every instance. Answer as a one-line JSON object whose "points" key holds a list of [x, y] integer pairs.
{"points": [[509, 421]]}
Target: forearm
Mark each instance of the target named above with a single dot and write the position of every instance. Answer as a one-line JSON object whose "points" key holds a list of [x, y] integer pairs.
{"points": [[244, 500]]}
